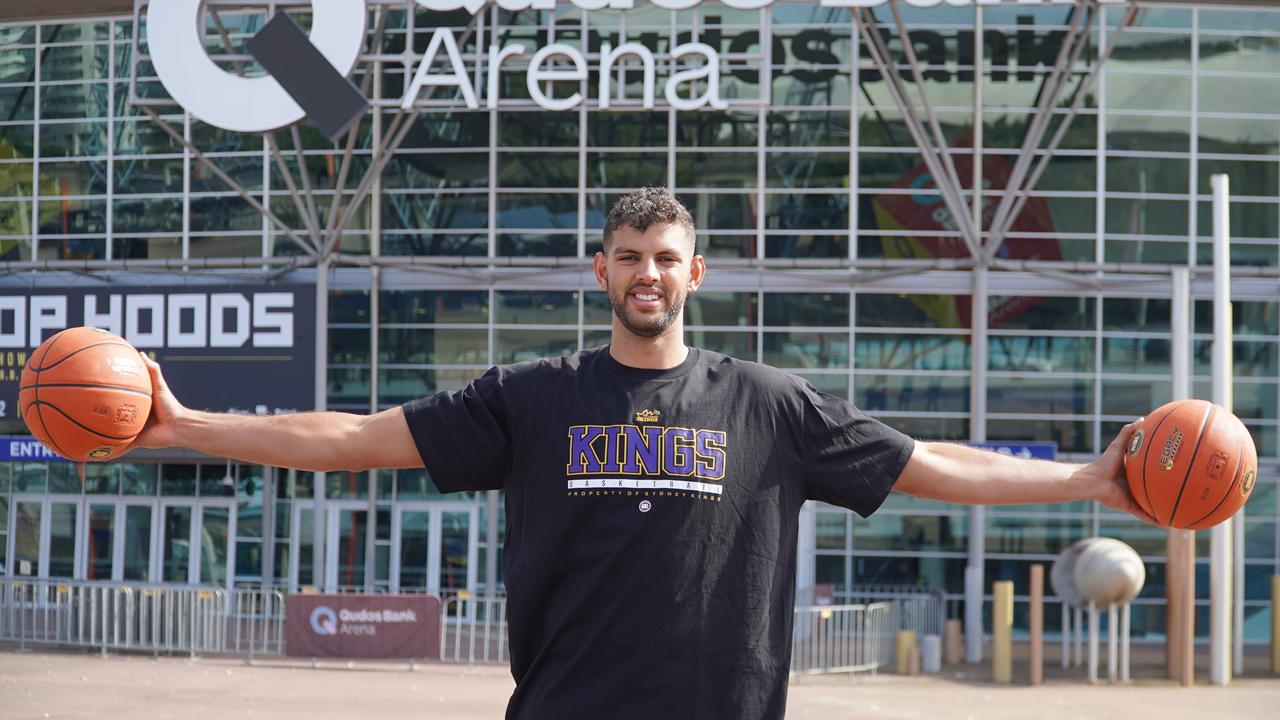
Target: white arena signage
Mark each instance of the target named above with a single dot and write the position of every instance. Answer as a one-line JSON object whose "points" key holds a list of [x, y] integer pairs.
{"points": [[260, 104]]}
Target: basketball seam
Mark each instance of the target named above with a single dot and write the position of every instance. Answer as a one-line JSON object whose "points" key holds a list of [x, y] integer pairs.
{"points": [[1235, 478], [90, 385], [1204, 427], [78, 424], [1146, 453], [77, 351], [35, 401]]}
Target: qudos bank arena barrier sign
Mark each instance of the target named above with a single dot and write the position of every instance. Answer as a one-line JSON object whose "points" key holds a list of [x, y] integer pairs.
{"points": [[307, 74], [363, 626]]}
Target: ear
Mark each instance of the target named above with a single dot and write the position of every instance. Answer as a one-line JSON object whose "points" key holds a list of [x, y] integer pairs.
{"points": [[602, 271], [697, 272]]}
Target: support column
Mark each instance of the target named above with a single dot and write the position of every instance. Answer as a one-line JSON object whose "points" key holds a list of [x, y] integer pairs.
{"points": [[1220, 552], [319, 536], [973, 574], [1180, 545]]}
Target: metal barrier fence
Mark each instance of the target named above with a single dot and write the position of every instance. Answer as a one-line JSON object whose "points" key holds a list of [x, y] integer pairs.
{"points": [[258, 621], [474, 630], [109, 618], [840, 638]]}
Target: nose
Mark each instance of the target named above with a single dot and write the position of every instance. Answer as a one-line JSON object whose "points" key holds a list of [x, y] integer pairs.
{"points": [[647, 271]]}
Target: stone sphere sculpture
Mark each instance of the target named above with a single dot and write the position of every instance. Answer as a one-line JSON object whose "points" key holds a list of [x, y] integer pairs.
{"points": [[1107, 571], [1062, 577]]}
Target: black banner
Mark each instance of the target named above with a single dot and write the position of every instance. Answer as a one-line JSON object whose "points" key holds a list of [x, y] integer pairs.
{"points": [[230, 348]]}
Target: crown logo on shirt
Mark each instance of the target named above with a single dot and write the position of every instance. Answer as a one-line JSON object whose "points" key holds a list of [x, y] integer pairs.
{"points": [[648, 416]]}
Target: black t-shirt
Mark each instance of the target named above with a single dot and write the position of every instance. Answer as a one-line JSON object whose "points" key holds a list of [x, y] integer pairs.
{"points": [[651, 523]]}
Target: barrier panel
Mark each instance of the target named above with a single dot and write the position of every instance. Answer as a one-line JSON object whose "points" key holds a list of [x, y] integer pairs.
{"points": [[841, 638], [110, 617], [474, 630]]}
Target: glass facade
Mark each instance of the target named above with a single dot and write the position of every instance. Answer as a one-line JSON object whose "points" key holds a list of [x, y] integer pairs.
{"points": [[790, 195]]}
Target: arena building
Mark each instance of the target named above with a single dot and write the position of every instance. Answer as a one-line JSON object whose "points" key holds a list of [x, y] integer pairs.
{"points": [[446, 223]]}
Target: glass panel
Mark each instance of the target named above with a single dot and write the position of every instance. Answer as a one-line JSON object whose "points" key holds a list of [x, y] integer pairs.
{"points": [[248, 560], [925, 532], [454, 554], [101, 478], [214, 530], [102, 525], [26, 538], [806, 350], [519, 345], [64, 478], [30, 477], [806, 309], [520, 306], [831, 531], [306, 546], [347, 485], [178, 480], [351, 548], [249, 494], [281, 559], [137, 542], [414, 537], [415, 484], [139, 479], [62, 539], [177, 544]]}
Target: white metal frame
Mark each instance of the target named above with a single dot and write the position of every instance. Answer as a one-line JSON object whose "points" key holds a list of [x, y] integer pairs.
{"points": [[195, 553], [435, 528]]}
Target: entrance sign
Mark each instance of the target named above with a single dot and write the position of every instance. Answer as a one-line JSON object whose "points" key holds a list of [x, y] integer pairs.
{"points": [[363, 626], [1025, 450], [175, 31]]}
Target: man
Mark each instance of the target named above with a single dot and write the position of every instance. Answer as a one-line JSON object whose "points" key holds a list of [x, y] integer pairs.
{"points": [[652, 490]]}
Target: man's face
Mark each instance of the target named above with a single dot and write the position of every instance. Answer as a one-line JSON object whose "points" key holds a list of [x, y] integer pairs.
{"points": [[648, 275]]}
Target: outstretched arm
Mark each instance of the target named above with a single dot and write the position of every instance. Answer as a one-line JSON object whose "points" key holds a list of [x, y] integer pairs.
{"points": [[959, 474], [320, 441]]}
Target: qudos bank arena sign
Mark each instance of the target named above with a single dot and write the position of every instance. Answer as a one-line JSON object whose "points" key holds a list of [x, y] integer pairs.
{"points": [[338, 27]]}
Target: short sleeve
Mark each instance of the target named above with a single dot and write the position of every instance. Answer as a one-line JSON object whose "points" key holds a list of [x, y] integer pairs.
{"points": [[464, 437], [850, 459]]}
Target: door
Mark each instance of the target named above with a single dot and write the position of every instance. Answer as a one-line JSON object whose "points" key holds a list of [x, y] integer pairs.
{"points": [[434, 547], [46, 538], [306, 540], [119, 540], [346, 547], [195, 540]]}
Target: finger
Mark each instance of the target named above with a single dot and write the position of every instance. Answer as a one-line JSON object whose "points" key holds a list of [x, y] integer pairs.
{"points": [[1122, 438], [157, 377]]}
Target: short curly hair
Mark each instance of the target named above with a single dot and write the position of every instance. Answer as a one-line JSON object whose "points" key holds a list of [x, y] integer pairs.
{"points": [[645, 207]]}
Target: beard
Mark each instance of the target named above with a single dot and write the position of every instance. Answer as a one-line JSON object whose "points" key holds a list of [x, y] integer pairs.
{"points": [[646, 326]]}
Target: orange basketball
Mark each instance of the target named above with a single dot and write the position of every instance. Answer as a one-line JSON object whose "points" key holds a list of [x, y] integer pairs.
{"points": [[1191, 464], [85, 393]]}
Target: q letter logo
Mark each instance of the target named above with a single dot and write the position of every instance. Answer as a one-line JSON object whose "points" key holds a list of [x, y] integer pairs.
{"points": [[324, 621], [175, 29]]}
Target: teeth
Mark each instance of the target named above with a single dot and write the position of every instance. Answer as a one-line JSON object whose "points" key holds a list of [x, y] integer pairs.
{"points": [[646, 297]]}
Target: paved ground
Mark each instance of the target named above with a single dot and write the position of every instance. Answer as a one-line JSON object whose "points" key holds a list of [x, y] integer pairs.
{"points": [[73, 685]]}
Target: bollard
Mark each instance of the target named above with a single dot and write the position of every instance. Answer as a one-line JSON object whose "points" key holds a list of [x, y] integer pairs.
{"points": [[1275, 624], [952, 647], [931, 654], [1093, 642], [906, 641], [1002, 631], [1037, 624]]}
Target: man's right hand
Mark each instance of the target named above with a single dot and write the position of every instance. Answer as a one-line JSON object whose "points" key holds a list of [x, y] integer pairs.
{"points": [[161, 430]]}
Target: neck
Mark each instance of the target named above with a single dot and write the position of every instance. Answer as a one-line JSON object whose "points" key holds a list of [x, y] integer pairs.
{"points": [[662, 352]]}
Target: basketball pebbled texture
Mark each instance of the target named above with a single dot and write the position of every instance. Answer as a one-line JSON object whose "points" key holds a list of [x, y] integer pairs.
{"points": [[1191, 464], [85, 394]]}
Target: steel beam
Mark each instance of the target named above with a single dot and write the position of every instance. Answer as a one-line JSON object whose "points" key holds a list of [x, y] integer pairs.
{"points": [[881, 57], [229, 181]]}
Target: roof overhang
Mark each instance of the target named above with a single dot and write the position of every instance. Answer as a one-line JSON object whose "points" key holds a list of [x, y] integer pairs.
{"points": [[26, 10]]}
